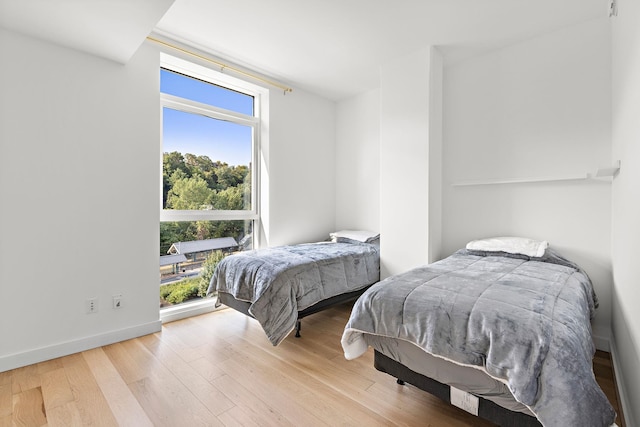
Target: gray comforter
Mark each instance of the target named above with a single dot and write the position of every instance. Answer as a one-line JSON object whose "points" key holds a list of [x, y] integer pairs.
{"points": [[278, 282], [525, 321]]}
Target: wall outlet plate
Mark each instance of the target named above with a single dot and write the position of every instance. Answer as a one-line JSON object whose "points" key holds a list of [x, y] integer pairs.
{"points": [[117, 301], [613, 8], [91, 305]]}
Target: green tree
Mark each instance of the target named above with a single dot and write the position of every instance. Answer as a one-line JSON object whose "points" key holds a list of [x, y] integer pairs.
{"points": [[171, 162], [189, 194], [204, 230], [235, 229], [170, 233], [230, 176], [203, 167], [229, 199], [208, 268]]}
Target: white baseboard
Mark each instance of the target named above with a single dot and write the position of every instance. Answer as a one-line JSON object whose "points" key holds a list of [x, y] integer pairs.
{"points": [[18, 360], [602, 343], [621, 387]]}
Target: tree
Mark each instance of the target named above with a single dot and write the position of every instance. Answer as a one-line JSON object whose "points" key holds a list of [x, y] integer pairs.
{"points": [[204, 230], [171, 163], [192, 182], [189, 194], [208, 268], [170, 232], [203, 167], [230, 176], [229, 199]]}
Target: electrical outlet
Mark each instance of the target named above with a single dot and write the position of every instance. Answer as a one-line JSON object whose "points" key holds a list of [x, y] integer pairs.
{"points": [[613, 9], [117, 301], [92, 305]]}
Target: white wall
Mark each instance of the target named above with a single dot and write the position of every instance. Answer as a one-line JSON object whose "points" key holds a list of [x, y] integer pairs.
{"points": [[79, 167], [301, 169], [358, 162], [626, 204], [80, 193], [436, 98], [405, 160], [538, 108], [385, 165]]}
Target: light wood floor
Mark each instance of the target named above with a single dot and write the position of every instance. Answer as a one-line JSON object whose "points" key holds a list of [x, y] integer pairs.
{"points": [[219, 369]]}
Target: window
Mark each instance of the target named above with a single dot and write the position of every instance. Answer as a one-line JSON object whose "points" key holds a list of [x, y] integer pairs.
{"points": [[210, 180]]}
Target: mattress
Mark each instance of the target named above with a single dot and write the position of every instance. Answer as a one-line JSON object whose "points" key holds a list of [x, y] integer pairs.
{"points": [[465, 378]]}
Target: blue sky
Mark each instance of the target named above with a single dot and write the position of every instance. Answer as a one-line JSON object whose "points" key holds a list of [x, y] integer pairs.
{"points": [[200, 135]]}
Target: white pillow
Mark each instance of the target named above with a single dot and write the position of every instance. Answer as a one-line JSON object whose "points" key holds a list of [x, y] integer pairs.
{"points": [[512, 245], [359, 235]]}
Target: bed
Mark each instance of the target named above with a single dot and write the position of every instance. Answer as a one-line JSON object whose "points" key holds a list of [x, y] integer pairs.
{"points": [[500, 328], [279, 286]]}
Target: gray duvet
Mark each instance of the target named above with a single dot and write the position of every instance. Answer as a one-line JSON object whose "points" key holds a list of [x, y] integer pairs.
{"points": [[525, 321], [278, 282]]}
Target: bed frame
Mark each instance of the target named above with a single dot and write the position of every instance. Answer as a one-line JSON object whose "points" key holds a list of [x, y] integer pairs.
{"points": [[487, 409], [243, 306]]}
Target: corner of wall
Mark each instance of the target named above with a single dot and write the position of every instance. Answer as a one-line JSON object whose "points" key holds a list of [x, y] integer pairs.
{"points": [[621, 386]]}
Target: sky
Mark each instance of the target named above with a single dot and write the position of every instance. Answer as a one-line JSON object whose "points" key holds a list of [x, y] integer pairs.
{"points": [[200, 135]]}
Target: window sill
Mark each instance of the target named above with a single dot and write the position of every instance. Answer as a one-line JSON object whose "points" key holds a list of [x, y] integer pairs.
{"points": [[188, 309]]}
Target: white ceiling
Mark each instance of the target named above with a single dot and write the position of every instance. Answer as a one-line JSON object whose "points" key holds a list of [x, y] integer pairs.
{"points": [[335, 47], [329, 47], [112, 29]]}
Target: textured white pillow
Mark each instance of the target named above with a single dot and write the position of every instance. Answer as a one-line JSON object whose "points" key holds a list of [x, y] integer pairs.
{"points": [[512, 245], [359, 235]]}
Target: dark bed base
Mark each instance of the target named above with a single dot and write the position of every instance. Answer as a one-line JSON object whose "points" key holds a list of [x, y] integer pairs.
{"points": [[486, 410], [243, 306]]}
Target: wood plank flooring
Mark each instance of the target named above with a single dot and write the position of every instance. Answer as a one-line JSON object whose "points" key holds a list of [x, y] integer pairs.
{"points": [[219, 369]]}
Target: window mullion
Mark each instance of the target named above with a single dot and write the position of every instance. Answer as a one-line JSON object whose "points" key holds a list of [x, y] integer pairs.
{"points": [[194, 107], [175, 215]]}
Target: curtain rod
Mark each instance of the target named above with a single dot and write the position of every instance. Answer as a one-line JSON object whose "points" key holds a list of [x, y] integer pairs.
{"points": [[222, 65]]}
